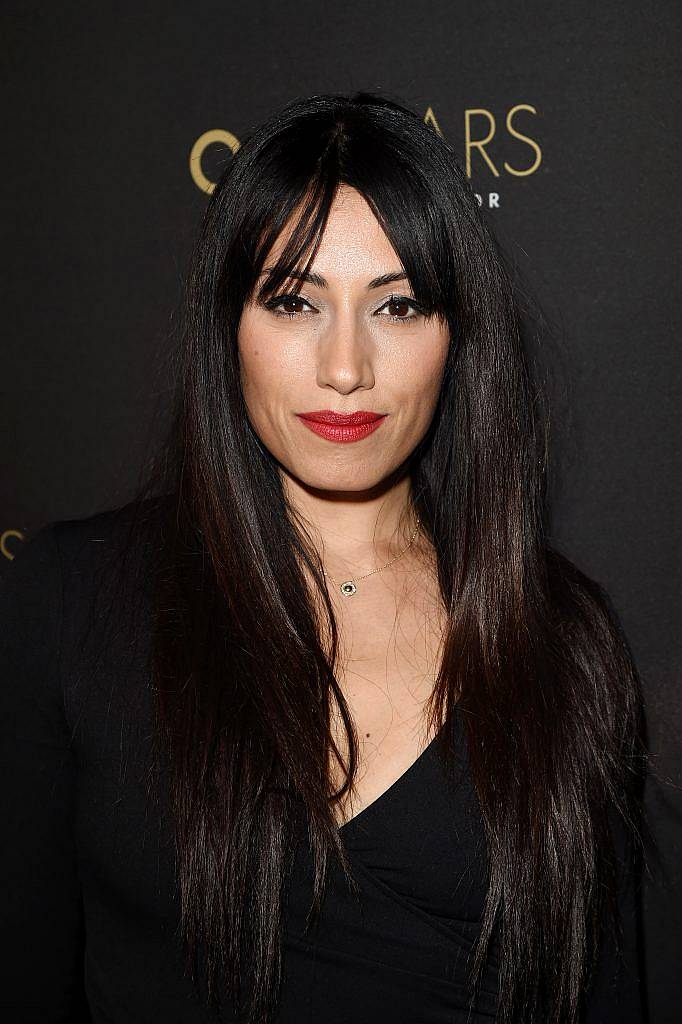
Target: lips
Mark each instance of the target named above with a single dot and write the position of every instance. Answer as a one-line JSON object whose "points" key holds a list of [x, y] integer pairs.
{"points": [[338, 419], [342, 427]]}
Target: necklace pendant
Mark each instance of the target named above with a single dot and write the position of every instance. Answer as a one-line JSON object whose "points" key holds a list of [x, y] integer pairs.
{"points": [[348, 588]]}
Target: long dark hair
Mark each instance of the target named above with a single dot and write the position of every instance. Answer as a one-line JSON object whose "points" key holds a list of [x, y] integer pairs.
{"points": [[534, 656]]}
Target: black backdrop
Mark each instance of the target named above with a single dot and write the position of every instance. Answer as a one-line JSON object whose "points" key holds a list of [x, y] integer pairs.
{"points": [[564, 117]]}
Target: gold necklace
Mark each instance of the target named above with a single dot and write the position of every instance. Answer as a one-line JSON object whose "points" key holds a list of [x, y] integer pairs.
{"points": [[348, 587]]}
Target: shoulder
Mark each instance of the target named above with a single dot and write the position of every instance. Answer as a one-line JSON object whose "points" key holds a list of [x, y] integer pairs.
{"points": [[584, 612], [597, 661], [81, 543], [70, 569], [87, 542]]}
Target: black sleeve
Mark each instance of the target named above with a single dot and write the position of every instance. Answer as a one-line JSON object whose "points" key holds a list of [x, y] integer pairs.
{"points": [[41, 973], [615, 995]]}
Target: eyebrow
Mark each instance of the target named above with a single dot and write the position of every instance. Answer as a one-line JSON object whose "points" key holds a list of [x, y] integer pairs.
{"points": [[321, 282]]}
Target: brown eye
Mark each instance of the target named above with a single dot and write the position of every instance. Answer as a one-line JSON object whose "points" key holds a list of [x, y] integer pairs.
{"points": [[292, 300], [398, 308], [287, 301]]}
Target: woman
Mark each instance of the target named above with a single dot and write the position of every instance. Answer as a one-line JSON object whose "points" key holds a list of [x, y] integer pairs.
{"points": [[320, 727]]}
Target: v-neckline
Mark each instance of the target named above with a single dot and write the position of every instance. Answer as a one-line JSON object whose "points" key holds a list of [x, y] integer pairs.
{"points": [[390, 789]]}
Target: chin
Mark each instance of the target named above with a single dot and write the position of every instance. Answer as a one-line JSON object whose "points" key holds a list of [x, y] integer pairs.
{"points": [[339, 478]]}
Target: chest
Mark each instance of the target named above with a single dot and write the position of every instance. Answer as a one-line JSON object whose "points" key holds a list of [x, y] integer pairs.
{"points": [[391, 653]]}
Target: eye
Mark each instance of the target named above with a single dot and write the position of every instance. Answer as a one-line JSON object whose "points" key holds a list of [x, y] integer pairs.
{"points": [[294, 299], [402, 301], [289, 299]]}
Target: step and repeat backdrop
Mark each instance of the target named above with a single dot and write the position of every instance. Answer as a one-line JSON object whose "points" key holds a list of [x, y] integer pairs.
{"points": [[120, 117]]}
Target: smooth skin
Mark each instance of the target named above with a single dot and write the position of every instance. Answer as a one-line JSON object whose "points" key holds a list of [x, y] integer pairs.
{"points": [[345, 347]]}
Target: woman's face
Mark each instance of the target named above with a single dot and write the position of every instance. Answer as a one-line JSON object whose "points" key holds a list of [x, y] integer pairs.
{"points": [[347, 345]]}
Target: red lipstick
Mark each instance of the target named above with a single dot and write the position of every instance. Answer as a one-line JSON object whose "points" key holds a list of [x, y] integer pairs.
{"points": [[343, 427]]}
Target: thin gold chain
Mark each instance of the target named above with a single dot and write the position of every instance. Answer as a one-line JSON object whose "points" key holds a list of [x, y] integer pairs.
{"points": [[381, 567]]}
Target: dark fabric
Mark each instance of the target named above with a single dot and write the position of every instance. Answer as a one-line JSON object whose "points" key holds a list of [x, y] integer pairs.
{"points": [[90, 906]]}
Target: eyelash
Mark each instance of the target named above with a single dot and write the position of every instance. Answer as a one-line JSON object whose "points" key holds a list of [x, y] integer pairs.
{"points": [[271, 303]]}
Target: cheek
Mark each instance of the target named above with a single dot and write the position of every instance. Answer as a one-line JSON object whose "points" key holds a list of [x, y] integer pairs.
{"points": [[267, 381], [251, 366], [259, 383], [270, 381], [421, 371], [259, 374]]}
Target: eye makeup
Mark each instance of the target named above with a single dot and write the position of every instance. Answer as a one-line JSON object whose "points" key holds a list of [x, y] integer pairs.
{"points": [[276, 300]]}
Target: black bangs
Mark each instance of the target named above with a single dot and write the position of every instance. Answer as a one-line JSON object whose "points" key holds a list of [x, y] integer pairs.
{"points": [[405, 222], [311, 215], [406, 206]]}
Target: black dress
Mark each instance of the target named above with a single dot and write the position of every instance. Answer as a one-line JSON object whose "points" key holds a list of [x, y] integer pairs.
{"points": [[90, 907]]}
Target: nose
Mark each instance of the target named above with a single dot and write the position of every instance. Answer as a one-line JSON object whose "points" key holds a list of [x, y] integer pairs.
{"points": [[345, 355]]}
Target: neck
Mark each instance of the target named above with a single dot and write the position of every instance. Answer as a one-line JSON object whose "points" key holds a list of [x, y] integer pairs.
{"points": [[355, 531]]}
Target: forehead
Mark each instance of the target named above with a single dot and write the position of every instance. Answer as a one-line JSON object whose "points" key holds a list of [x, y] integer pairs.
{"points": [[353, 241]]}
